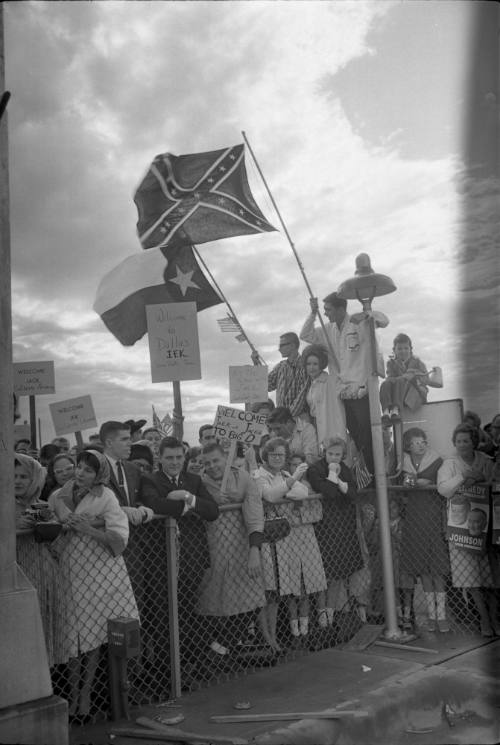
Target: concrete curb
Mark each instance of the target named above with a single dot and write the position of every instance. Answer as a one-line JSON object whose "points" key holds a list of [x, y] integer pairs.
{"points": [[414, 702]]}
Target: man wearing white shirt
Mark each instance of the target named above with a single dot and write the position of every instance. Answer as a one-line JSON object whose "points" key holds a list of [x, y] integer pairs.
{"points": [[349, 338]]}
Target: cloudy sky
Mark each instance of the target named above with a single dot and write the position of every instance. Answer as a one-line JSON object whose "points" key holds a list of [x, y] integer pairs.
{"points": [[358, 114]]}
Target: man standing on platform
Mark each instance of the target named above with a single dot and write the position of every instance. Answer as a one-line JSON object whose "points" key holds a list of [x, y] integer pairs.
{"points": [[288, 378], [349, 338]]}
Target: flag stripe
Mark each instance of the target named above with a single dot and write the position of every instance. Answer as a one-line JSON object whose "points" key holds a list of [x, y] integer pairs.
{"points": [[135, 273], [211, 169]]}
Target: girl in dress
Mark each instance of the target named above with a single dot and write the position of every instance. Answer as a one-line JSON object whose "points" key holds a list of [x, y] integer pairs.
{"points": [[94, 575], [337, 532], [423, 551], [293, 565]]}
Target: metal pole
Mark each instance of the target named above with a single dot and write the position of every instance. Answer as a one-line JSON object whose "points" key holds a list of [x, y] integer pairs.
{"points": [[178, 429], [392, 630], [173, 607], [7, 505], [32, 421]]}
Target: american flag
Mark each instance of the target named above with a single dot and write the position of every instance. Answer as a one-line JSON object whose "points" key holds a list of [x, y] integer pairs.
{"points": [[189, 199], [165, 425], [229, 324]]}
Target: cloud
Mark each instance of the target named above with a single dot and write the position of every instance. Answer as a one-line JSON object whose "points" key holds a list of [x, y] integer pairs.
{"points": [[100, 88]]}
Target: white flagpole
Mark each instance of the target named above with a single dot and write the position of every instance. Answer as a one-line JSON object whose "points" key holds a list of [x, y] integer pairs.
{"points": [[334, 359]]}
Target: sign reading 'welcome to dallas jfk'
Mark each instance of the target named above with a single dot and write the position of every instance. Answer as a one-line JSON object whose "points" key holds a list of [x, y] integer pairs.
{"points": [[173, 342]]}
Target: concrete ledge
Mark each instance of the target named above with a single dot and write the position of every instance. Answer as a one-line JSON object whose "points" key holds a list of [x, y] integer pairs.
{"points": [[425, 701], [38, 722]]}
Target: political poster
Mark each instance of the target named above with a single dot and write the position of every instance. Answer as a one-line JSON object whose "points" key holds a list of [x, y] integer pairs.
{"points": [[174, 347], [468, 517], [247, 384], [237, 425], [33, 378], [73, 415]]}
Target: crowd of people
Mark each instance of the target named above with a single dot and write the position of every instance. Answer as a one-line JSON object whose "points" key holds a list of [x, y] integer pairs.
{"points": [[286, 520]]}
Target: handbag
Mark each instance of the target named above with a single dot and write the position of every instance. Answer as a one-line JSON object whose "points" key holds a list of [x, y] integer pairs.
{"points": [[275, 529]]}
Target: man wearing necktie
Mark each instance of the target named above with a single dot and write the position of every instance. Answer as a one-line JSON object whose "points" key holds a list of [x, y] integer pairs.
{"points": [[126, 479], [185, 497]]}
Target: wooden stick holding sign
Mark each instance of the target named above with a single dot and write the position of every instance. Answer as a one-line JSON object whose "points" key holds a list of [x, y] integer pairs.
{"points": [[229, 462]]}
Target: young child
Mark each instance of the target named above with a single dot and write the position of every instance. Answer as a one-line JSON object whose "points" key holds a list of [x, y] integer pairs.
{"points": [[405, 385], [337, 531]]}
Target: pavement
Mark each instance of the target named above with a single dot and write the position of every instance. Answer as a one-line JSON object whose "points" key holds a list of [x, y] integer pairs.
{"points": [[446, 694]]}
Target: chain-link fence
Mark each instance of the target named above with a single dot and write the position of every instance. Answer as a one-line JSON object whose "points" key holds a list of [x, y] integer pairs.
{"points": [[204, 619]]}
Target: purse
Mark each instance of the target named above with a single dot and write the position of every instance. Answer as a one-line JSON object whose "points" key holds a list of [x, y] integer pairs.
{"points": [[275, 529]]}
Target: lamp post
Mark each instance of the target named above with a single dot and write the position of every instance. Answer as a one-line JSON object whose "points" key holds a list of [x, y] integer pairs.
{"points": [[364, 286]]}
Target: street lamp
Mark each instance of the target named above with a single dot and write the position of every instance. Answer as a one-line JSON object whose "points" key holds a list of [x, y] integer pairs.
{"points": [[364, 286]]}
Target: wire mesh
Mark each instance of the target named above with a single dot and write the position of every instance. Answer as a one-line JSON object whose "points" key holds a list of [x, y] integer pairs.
{"points": [[321, 580]]}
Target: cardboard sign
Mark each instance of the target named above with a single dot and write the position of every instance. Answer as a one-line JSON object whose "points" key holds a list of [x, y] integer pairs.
{"points": [[73, 415], [22, 432], [33, 378], [239, 426], [173, 342], [247, 384], [468, 517]]}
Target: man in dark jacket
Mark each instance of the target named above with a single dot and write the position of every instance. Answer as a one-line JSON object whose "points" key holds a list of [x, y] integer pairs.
{"points": [[184, 497]]}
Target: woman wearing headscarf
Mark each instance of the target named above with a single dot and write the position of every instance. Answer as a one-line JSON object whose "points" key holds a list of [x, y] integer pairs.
{"points": [[94, 574], [34, 558]]}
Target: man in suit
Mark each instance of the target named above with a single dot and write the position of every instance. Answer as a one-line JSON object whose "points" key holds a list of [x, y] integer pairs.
{"points": [[126, 479], [184, 496]]}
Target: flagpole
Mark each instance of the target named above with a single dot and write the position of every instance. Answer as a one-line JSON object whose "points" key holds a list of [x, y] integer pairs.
{"points": [[178, 429], [261, 360], [334, 359]]}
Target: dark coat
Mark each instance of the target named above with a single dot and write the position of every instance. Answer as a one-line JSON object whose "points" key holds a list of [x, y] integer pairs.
{"points": [[206, 507], [336, 532]]}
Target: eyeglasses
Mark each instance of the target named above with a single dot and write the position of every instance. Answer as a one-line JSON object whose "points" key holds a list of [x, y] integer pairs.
{"points": [[277, 455], [60, 471]]}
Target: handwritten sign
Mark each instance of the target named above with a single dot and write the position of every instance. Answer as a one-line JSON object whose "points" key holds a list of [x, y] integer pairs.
{"points": [[173, 342], [247, 383], [73, 415], [236, 425], [33, 378]]}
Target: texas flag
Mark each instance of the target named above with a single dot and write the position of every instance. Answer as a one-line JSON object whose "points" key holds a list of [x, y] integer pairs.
{"points": [[148, 278]]}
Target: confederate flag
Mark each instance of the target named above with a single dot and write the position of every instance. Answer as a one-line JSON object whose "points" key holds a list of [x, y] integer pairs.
{"points": [[189, 199]]}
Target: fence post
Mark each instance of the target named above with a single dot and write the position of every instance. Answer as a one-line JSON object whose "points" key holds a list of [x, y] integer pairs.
{"points": [[173, 607]]}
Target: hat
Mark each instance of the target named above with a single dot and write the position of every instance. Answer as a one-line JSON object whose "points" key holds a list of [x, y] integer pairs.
{"points": [[135, 426], [141, 452]]}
